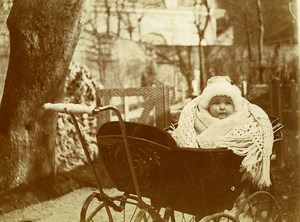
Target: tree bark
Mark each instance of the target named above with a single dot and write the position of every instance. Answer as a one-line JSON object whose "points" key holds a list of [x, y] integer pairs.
{"points": [[43, 36]]}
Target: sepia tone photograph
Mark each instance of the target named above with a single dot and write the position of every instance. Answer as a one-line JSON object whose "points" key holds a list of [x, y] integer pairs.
{"points": [[149, 110]]}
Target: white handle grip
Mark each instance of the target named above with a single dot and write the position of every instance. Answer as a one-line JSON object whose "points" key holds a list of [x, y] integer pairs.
{"points": [[69, 108]]}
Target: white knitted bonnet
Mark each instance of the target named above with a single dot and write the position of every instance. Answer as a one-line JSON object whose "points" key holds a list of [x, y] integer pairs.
{"points": [[220, 86]]}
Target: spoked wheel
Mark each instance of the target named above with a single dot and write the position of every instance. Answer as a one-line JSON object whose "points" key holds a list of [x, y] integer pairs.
{"points": [[148, 214], [123, 208], [219, 217], [260, 206], [92, 208], [175, 216]]}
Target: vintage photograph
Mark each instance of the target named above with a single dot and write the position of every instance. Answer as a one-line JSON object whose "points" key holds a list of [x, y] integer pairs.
{"points": [[149, 110]]}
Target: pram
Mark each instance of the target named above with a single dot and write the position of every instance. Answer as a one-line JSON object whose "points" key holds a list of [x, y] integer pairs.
{"points": [[162, 182]]}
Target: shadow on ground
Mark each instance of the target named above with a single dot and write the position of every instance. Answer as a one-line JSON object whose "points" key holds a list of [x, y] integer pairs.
{"points": [[53, 187]]}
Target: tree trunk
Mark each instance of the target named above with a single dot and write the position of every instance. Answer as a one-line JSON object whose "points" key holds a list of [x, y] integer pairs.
{"points": [[43, 36], [260, 40], [186, 69]]}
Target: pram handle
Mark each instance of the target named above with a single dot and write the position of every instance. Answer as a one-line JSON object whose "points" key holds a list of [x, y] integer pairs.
{"points": [[75, 108], [69, 108]]}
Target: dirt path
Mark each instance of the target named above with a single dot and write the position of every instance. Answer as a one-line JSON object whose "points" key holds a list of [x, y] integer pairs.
{"points": [[65, 208]]}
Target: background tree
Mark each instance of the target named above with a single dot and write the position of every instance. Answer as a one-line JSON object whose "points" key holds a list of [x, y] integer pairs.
{"points": [[43, 35], [260, 40], [201, 28], [257, 29]]}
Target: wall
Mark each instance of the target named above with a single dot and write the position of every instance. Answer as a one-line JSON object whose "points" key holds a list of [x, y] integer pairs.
{"points": [[4, 42]]}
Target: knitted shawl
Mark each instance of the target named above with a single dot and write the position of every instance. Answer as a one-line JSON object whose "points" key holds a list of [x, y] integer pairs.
{"points": [[248, 132]]}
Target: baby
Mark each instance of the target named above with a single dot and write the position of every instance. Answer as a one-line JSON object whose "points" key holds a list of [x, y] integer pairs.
{"points": [[221, 118]]}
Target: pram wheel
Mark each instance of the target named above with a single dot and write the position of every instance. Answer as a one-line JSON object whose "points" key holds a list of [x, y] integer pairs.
{"points": [[123, 208], [92, 209], [219, 217], [260, 206]]}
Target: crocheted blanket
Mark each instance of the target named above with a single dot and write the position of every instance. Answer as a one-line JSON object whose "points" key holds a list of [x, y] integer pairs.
{"points": [[248, 132]]}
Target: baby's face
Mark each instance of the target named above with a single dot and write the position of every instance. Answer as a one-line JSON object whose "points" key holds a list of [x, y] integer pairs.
{"points": [[221, 107]]}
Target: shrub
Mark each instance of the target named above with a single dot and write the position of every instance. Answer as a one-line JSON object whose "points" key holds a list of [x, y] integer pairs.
{"points": [[79, 89]]}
